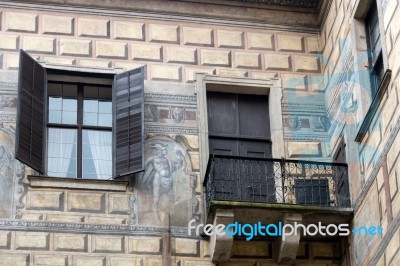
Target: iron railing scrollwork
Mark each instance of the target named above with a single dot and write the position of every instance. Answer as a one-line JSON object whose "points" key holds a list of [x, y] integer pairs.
{"points": [[232, 178]]}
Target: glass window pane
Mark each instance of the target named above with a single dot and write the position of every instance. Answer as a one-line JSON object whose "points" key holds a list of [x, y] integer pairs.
{"points": [[90, 110], [97, 101], [97, 163], [90, 106], [105, 120], [90, 119], [86, 151], [64, 103], [69, 104], [85, 138], [55, 103], [68, 117], [105, 107], [54, 116], [89, 170], [61, 152]]}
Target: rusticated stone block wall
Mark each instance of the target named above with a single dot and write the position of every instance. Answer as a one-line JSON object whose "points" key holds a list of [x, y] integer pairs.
{"points": [[81, 249], [116, 41], [88, 248], [102, 227], [77, 206], [174, 51]]}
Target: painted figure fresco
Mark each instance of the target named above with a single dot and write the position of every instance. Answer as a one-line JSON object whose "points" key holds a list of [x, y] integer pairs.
{"points": [[8, 168], [165, 183], [158, 176]]}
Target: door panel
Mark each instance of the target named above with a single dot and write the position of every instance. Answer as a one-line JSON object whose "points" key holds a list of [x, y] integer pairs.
{"points": [[223, 147], [255, 149], [253, 116], [222, 113], [227, 182], [258, 179]]}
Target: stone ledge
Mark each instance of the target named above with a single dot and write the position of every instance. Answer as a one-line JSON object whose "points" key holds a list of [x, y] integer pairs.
{"points": [[87, 184], [80, 228], [281, 206], [309, 212]]}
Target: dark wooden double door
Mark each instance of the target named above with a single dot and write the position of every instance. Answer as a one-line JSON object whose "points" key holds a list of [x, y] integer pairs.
{"points": [[238, 125]]}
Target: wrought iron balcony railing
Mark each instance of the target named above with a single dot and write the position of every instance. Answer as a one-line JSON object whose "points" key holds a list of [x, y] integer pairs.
{"points": [[230, 178]]}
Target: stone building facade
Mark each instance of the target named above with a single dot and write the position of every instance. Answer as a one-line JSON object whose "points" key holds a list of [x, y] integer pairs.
{"points": [[310, 57]]}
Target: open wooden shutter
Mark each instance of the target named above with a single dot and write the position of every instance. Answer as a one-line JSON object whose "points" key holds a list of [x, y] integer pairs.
{"points": [[30, 133], [128, 119]]}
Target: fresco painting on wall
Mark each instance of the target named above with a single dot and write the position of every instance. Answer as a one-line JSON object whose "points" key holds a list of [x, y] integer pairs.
{"points": [[164, 189], [8, 166]]}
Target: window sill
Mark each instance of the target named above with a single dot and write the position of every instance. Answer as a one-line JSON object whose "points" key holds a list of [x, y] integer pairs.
{"points": [[73, 183], [374, 106]]}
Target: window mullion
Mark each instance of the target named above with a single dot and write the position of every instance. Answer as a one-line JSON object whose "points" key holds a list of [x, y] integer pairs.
{"points": [[80, 123]]}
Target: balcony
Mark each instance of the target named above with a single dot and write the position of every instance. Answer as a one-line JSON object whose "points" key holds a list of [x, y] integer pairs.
{"points": [[276, 181], [249, 190]]}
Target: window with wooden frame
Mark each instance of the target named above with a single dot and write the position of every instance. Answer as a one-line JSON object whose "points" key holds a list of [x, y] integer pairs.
{"points": [[375, 57], [77, 128], [369, 34]]}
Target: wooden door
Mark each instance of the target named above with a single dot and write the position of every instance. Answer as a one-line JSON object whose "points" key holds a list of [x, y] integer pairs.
{"points": [[239, 126]]}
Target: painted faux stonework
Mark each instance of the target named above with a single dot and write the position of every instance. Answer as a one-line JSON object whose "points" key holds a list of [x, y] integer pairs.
{"points": [[165, 191], [170, 114]]}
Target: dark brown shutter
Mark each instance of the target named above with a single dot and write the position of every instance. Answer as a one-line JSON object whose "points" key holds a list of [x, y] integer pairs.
{"points": [[128, 130], [30, 134]]}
